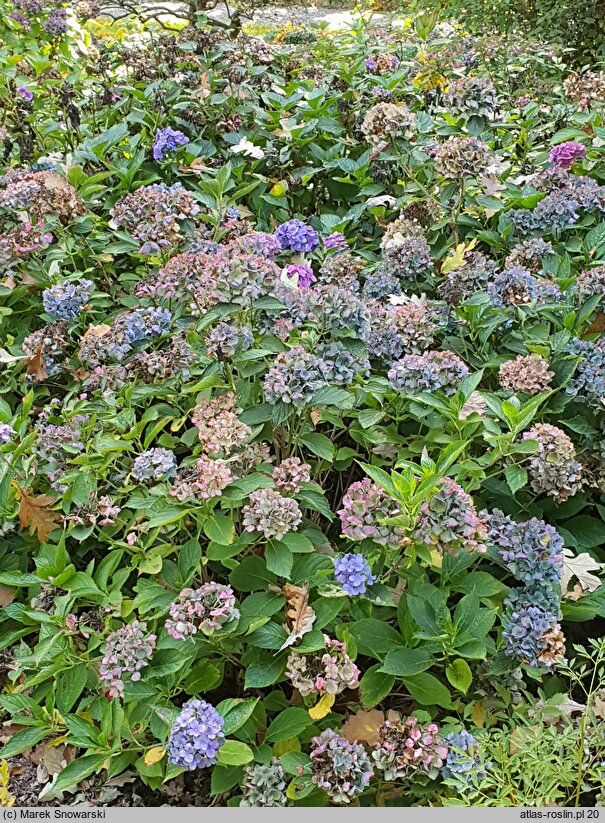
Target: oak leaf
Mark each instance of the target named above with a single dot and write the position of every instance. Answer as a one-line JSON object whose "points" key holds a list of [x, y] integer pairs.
{"points": [[35, 366], [581, 568], [299, 615], [35, 515], [363, 727]]}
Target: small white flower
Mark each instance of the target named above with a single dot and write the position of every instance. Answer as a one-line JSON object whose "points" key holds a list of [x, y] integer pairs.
{"points": [[248, 148]]}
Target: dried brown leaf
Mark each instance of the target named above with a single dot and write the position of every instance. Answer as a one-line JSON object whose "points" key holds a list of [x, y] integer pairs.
{"points": [[35, 366], [35, 515], [363, 727], [7, 596], [299, 615]]}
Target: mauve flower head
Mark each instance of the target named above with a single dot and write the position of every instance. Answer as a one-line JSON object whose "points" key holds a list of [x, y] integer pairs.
{"points": [[219, 428], [407, 747], [25, 94], [5, 433], [271, 514], [354, 574], [167, 140], [448, 521], [196, 736], [297, 236], [364, 506], [205, 480], [566, 154], [290, 474], [529, 374], [205, 609], [56, 22], [553, 468], [300, 275], [340, 768], [127, 651], [323, 672], [294, 377]]}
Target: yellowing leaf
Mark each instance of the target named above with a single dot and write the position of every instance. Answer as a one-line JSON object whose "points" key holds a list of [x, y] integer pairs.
{"points": [[154, 755], [279, 189], [322, 707], [479, 714], [285, 746], [456, 260], [436, 559]]}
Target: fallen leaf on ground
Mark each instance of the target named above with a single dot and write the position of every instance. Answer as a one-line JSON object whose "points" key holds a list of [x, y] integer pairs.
{"points": [[35, 366]]}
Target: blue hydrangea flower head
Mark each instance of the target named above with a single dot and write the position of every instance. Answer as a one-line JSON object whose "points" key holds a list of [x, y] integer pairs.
{"points": [[297, 236], [64, 301], [167, 140], [462, 760], [353, 573], [196, 736]]}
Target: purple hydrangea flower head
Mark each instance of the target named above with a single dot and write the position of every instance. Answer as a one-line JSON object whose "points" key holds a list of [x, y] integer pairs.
{"points": [[566, 154], [588, 381], [553, 469], [341, 365], [340, 768], [336, 241], [167, 140], [204, 610], [381, 285], [64, 301], [353, 572], [154, 464], [25, 94], [56, 22], [533, 635], [297, 236], [196, 736], [429, 372], [300, 274], [223, 341], [532, 550], [259, 244], [371, 64], [6, 433], [294, 377], [462, 758]]}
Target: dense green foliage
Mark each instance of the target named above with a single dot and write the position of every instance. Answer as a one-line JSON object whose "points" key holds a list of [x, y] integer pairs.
{"points": [[302, 411]]}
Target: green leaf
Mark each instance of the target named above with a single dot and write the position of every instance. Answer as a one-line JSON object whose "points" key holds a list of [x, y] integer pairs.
{"points": [[289, 723], [265, 672], [428, 691], [374, 686], [459, 675], [220, 529], [331, 396], [320, 445], [251, 575], [78, 770], [70, 686], [23, 740], [204, 677], [516, 477], [236, 713], [279, 558], [405, 662], [374, 637], [224, 778], [235, 753]]}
